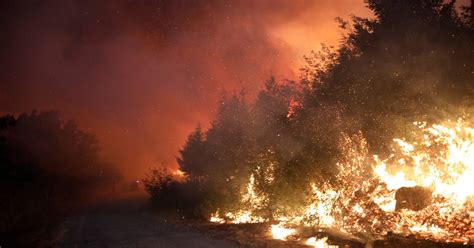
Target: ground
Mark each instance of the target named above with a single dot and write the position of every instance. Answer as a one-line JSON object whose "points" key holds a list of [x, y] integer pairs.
{"points": [[130, 222]]}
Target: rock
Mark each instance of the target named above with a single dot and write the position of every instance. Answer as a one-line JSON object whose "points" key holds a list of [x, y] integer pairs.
{"points": [[413, 198]]}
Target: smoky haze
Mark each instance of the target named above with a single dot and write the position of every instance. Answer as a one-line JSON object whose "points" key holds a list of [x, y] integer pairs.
{"points": [[142, 74]]}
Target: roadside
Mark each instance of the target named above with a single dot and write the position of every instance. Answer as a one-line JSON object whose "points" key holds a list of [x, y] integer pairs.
{"points": [[129, 221]]}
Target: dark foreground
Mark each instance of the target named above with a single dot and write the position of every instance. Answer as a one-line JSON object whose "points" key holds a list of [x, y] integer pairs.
{"points": [[129, 222]]}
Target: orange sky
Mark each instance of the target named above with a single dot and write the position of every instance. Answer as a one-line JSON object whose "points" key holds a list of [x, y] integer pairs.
{"points": [[142, 75]]}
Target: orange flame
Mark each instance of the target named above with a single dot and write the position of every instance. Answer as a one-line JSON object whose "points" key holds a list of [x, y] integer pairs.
{"points": [[441, 158]]}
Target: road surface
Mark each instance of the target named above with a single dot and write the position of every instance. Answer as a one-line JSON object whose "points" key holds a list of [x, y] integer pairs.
{"points": [[129, 223]]}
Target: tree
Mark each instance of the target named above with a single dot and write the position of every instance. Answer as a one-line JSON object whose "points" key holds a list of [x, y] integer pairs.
{"points": [[44, 162], [41, 145], [192, 159], [412, 62]]}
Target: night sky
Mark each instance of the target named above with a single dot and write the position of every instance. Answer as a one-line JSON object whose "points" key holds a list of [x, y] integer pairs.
{"points": [[142, 74]]}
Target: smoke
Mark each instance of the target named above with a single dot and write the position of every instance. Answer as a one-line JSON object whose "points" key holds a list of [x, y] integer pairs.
{"points": [[143, 74]]}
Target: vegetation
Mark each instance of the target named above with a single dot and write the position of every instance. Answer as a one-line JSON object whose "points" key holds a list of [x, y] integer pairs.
{"points": [[413, 61], [47, 166]]}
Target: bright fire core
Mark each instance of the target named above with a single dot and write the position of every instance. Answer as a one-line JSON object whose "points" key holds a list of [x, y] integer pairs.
{"points": [[439, 158]]}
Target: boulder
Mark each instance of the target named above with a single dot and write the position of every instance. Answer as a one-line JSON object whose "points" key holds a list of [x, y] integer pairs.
{"points": [[413, 198]]}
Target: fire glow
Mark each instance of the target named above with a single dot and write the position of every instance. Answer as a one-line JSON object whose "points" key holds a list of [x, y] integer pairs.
{"points": [[440, 159], [319, 243]]}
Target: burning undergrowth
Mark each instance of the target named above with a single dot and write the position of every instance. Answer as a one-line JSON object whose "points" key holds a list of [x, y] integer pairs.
{"points": [[321, 155], [439, 160]]}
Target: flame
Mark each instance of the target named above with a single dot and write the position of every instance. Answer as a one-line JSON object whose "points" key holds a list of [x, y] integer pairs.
{"points": [[280, 232], [252, 200], [393, 182], [439, 158], [443, 159], [216, 218], [293, 105], [179, 173], [320, 243]]}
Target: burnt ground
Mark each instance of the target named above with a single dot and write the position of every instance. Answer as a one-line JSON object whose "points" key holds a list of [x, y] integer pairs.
{"points": [[131, 222], [256, 235]]}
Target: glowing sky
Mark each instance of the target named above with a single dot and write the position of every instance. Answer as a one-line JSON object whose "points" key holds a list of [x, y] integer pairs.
{"points": [[142, 74]]}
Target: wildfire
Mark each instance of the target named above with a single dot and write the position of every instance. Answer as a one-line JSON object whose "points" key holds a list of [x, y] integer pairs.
{"points": [[252, 200], [438, 164], [280, 232], [320, 243], [179, 173], [443, 159], [216, 218], [293, 105]]}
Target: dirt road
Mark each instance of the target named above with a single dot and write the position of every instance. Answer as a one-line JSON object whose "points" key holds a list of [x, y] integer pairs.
{"points": [[129, 222]]}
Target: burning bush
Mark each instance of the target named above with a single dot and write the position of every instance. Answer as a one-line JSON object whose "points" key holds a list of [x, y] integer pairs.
{"points": [[364, 204], [158, 183], [173, 192]]}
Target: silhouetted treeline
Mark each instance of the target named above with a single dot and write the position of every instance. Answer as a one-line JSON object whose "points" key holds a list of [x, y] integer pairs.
{"points": [[413, 62], [46, 166]]}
